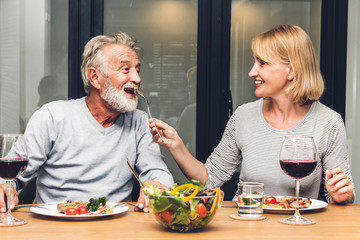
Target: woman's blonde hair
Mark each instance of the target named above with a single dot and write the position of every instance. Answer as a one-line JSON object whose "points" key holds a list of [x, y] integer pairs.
{"points": [[291, 45]]}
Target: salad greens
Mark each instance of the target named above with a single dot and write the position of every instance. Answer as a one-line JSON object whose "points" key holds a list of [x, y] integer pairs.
{"points": [[182, 208], [94, 204]]}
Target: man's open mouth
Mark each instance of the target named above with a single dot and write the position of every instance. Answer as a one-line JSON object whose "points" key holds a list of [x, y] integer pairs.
{"points": [[130, 90]]}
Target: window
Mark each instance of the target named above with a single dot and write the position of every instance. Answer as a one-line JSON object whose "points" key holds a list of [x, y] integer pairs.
{"points": [[167, 34], [33, 58], [248, 19]]}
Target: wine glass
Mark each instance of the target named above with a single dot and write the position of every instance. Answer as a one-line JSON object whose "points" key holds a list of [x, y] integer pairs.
{"points": [[13, 161], [298, 160]]}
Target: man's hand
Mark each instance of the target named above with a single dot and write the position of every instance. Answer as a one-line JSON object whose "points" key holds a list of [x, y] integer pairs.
{"points": [[3, 193], [141, 205]]}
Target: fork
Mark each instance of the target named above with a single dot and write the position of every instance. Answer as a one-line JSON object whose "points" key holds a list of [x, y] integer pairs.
{"points": [[148, 109], [134, 173]]}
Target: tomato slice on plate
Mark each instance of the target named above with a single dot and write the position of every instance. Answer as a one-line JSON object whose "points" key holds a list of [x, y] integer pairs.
{"points": [[285, 205], [82, 210], [71, 211], [270, 200]]}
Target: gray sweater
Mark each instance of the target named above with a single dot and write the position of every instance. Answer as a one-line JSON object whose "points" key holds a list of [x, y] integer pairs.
{"points": [[76, 158], [251, 143]]}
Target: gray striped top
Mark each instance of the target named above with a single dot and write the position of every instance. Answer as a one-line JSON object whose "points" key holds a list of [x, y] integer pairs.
{"points": [[251, 143]]}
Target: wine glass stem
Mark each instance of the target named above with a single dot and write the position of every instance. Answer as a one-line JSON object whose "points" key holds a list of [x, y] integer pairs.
{"points": [[8, 185], [297, 187]]}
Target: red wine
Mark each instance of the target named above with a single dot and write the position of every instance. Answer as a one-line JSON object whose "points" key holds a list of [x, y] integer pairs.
{"points": [[11, 168], [297, 168]]}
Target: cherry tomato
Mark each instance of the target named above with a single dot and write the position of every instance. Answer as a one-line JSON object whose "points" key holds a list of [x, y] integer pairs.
{"points": [[270, 200], [71, 211], [201, 209], [82, 210], [158, 216], [285, 205], [167, 215]]}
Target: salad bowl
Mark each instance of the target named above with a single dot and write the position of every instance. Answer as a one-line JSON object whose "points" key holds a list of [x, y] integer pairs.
{"points": [[186, 207]]}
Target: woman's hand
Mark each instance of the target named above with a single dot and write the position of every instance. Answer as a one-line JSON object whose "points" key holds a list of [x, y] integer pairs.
{"points": [[191, 167], [168, 133], [339, 186]]}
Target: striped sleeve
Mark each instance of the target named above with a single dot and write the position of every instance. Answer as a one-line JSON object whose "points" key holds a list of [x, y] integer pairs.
{"points": [[225, 159]]}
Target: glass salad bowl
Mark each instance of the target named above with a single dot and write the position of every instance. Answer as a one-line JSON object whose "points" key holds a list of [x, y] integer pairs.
{"points": [[187, 207]]}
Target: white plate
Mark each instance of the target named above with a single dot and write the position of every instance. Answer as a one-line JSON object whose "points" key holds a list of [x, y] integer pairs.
{"points": [[50, 209], [316, 204]]}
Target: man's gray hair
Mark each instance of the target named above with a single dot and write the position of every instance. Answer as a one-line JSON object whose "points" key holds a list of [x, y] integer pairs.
{"points": [[93, 55]]}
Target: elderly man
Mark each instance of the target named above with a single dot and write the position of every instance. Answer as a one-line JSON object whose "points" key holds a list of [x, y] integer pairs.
{"points": [[78, 147]]}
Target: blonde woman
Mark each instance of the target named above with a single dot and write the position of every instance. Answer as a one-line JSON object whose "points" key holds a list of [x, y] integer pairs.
{"points": [[288, 81]]}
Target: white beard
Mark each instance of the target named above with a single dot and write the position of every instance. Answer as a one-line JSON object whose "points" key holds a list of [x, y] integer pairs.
{"points": [[117, 99]]}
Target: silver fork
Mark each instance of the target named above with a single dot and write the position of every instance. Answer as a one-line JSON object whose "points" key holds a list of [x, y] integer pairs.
{"points": [[148, 108], [134, 173]]}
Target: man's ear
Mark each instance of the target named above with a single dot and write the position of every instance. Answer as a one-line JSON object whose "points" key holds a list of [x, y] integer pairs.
{"points": [[291, 73], [93, 75]]}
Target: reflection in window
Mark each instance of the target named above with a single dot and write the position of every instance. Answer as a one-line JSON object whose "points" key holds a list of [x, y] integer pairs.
{"points": [[248, 19], [167, 33]]}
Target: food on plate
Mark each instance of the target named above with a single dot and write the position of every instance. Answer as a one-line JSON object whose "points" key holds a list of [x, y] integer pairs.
{"points": [[285, 205], [82, 210], [61, 207], [286, 202], [286, 199], [270, 200], [185, 207], [71, 211], [303, 203], [91, 207], [95, 204]]}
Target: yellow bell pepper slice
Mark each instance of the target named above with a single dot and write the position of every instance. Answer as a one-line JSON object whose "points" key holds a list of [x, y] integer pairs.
{"points": [[175, 191], [194, 193]]}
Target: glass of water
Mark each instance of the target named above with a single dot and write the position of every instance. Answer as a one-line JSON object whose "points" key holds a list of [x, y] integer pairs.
{"points": [[250, 199]]}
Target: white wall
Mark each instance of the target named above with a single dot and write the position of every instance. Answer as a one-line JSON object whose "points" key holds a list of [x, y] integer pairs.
{"points": [[352, 87], [9, 65], [24, 60], [34, 51]]}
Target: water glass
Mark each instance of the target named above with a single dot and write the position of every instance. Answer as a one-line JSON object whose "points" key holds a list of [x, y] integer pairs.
{"points": [[250, 199]]}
